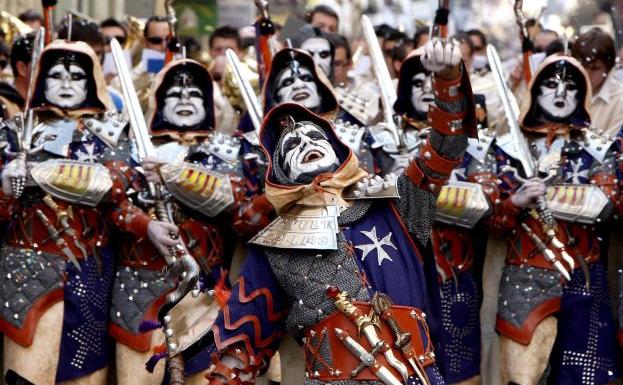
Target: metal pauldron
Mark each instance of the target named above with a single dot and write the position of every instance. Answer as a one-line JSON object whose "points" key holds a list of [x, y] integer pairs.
{"points": [[198, 188], [462, 204], [585, 204], [73, 181]]}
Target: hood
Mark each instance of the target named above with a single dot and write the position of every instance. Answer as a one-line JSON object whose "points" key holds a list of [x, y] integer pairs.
{"points": [[411, 66], [530, 118], [325, 186], [98, 99], [329, 106], [157, 125]]}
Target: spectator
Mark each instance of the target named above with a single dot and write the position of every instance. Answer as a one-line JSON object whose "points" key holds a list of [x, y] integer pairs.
{"points": [[595, 50], [324, 18], [111, 28], [86, 31], [467, 49], [156, 33], [544, 39], [32, 18], [342, 60], [223, 38], [421, 37], [479, 41]]}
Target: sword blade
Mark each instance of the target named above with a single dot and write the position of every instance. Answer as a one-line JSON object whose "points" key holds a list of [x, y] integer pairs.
{"points": [[248, 95], [381, 73], [511, 110], [137, 120], [374, 339]]}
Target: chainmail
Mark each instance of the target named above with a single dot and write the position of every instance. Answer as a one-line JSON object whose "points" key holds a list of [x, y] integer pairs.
{"points": [[523, 289], [417, 208], [305, 274]]}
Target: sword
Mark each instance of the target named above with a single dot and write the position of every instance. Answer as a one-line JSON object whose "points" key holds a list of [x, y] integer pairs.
{"points": [[367, 358], [24, 138], [366, 326], [381, 303], [381, 73], [248, 95]]}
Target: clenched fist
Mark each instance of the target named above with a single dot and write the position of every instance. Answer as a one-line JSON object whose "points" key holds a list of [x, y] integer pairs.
{"points": [[440, 54], [528, 194]]}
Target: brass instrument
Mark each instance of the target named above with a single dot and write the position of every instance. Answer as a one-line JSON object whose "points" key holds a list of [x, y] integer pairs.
{"points": [[134, 41], [230, 87], [12, 26]]}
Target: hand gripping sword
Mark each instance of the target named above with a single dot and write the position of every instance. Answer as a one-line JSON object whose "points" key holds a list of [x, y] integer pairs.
{"points": [[528, 165], [381, 73], [186, 267], [366, 327], [248, 95]]}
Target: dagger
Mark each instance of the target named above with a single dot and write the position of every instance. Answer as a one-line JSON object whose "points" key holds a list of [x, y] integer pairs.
{"points": [[367, 358], [381, 303], [56, 237], [366, 326], [549, 254]]}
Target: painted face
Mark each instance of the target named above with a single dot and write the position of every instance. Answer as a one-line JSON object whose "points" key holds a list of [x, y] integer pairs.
{"points": [[183, 106], [298, 86], [422, 92], [66, 87], [319, 49], [558, 96], [307, 152]]}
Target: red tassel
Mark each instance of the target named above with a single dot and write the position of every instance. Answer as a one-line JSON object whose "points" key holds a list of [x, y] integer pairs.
{"points": [[221, 291], [160, 349]]}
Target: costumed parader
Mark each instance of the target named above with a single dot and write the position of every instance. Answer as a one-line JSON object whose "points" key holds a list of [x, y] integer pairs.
{"points": [[554, 308], [64, 181], [461, 206], [338, 268], [317, 44], [181, 120]]}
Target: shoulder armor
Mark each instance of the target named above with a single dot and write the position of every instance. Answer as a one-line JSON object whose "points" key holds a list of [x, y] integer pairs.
{"points": [[350, 134], [73, 181], [359, 107], [172, 152], [596, 145], [462, 204], [383, 138], [251, 137], [373, 187], [55, 136], [198, 188], [585, 204], [222, 146], [479, 148], [108, 127]]}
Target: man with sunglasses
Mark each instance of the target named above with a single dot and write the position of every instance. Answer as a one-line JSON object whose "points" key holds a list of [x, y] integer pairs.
{"points": [[112, 29], [156, 33]]}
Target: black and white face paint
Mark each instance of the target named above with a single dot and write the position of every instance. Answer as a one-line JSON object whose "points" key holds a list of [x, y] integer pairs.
{"points": [[66, 86], [320, 50], [558, 96], [183, 106], [306, 152], [422, 92], [296, 84]]}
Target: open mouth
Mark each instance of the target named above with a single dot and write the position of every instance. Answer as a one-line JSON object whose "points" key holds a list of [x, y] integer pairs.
{"points": [[300, 96], [66, 96], [184, 112], [312, 156], [428, 99], [559, 104]]}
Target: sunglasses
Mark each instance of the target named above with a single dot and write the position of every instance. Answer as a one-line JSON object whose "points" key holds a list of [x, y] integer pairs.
{"points": [[156, 40], [120, 39]]}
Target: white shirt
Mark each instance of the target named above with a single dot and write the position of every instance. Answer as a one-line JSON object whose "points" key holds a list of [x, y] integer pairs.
{"points": [[606, 112]]}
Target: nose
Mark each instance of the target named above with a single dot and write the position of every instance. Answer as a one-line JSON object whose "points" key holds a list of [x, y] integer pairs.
{"points": [[298, 83], [66, 83], [561, 90], [185, 94], [428, 85]]}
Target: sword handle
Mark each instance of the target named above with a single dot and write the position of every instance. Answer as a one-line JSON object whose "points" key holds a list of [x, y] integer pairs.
{"points": [[177, 373]]}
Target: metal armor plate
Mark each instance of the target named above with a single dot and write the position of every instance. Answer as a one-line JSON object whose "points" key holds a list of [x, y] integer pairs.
{"points": [[302, 227], [578, 203], [198, 188], [479, 148], [462, 204], [372, 188], [108, 127], [597, 145], [222, 146], [55, 136], [350, 134], [73, 181], [359, 107], [189, 320]]}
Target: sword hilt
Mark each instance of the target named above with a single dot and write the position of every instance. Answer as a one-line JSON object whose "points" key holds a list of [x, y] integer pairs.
{"points": [[381, 303], [355, 372]]}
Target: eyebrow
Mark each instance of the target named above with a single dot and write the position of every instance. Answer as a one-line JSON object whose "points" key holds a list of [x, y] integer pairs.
{"points": [[291, 139]]}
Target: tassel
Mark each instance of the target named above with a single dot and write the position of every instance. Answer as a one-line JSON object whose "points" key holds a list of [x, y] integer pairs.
{"points": [[150, 365], [149, 325], [162, 348], [221, 291]]}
